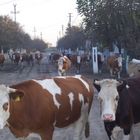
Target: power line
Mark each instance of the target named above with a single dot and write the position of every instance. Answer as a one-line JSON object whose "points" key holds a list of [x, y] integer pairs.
{"points": [[69, 23], [41, 35], [5, 3], [34, 32]]}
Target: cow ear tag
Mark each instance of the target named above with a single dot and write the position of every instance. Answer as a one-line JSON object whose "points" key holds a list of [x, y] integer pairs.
{"points": [[17, 99]]}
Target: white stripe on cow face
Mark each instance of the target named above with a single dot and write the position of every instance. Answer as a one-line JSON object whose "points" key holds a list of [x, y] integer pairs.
{"points": [[108, 96], [52, 87], [60, 66], [4, 105]]}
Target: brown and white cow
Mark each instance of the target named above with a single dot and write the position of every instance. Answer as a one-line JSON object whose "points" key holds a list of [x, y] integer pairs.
{"points": [[115, 65], [64, 64], [120, 107], [39, 106]]}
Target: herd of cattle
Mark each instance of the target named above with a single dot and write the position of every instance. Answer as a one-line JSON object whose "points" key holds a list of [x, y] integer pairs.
{"points": [[18, 58], [113, 63], [39, 106]]}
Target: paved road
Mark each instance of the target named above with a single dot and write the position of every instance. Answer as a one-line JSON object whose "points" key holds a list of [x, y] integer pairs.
{"points": [[11, 74]]}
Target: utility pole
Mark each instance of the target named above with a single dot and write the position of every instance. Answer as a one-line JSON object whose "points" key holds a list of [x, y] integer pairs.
{"points": [[15, 12], [41, 35], [69, 23], [59, 34], [62, 30], [34, 32]]}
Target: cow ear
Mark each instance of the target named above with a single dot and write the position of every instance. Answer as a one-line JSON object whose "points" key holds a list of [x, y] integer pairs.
{"points": [[121, 85], [16, 95], [96, 84], [120, 82]]}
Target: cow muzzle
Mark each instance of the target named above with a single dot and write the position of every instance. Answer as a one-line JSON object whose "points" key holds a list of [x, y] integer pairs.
{"points": [[108, 118]]}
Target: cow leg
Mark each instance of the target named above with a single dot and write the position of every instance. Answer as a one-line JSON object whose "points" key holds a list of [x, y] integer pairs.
{"points": [[32, 136], [118, 74], [64, 74], [78, 129], [48, 134], [118, 134], [59, 73], [111, 72], [135, 132], [82, 125]]}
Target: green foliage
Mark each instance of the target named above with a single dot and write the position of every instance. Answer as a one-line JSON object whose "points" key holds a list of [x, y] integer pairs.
{"points": [[108, 21], [73, 39]]}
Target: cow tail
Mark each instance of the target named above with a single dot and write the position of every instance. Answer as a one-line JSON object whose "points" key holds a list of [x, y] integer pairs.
{"points": [[87, 129]]}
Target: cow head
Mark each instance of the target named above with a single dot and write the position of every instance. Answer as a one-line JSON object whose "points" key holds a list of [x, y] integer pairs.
{"points": [[61, 70], [109, 97], [63, 65], [6, 94]]}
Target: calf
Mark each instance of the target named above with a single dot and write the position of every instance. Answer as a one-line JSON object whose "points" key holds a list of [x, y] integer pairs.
{"points": [[120, 105], [38, 106]]}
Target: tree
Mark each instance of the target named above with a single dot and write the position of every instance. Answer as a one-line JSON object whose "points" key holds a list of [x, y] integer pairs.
{"points": [[73, 39], [13, 36], [109, 21]]}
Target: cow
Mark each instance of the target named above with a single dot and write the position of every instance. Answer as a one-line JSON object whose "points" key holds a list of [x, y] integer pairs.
{"points": [[54, 57], [16, 57], [28, 58], [134, 68], [86, 58], [2, 59], [115, 65], [64, 64], [38, 57], [73, 59], [77, 61], [120, 105], [39, 106]]}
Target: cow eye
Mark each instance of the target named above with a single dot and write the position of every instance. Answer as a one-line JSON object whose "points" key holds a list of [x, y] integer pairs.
{"points": [[117, 98], [5, 106]]}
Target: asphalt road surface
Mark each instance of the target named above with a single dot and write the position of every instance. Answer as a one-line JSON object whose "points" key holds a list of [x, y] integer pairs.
{"points": [[11, 74]]}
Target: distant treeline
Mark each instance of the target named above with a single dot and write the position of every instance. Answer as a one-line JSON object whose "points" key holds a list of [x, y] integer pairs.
{"points": [[13, 36]]}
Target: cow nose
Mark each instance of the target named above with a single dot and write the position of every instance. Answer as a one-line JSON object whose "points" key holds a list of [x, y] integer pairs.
{"points": [[108, 117]]}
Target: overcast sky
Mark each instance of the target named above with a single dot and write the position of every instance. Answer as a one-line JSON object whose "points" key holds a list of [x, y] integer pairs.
{"points": [[42, 18]]}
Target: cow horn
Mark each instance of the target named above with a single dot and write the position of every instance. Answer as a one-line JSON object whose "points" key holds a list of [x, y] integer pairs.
{"points": [[11, 90], [97, 82]]}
